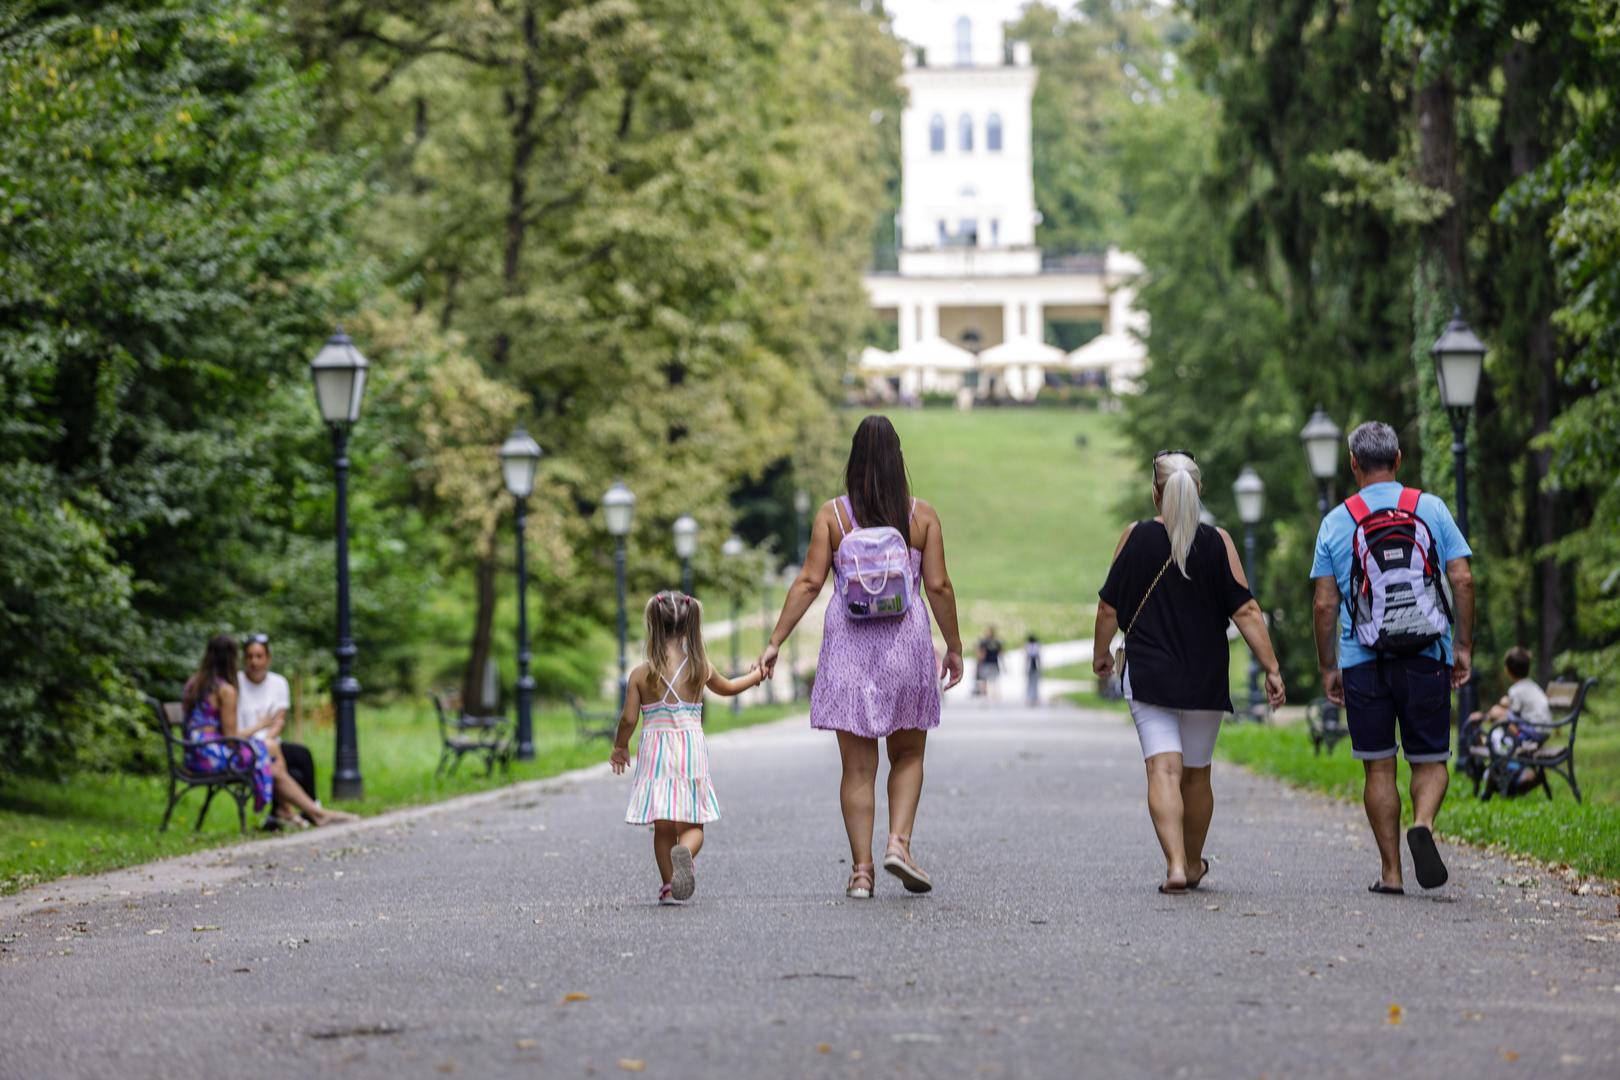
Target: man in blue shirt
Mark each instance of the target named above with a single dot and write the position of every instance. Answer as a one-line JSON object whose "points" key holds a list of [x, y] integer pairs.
{"points": [[1381, 693]]}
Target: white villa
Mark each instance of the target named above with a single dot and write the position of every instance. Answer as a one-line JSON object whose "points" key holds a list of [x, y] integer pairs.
{"points": [[970, 291]]}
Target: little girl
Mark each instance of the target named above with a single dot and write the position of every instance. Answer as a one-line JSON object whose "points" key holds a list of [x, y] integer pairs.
{"points": [[671, 790]]}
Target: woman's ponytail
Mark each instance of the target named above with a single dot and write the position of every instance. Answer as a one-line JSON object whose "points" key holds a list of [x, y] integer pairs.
{"points": [[1176, 478]]}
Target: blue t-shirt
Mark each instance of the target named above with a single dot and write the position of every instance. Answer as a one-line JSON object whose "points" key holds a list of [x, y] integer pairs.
{"points": [[1333, 556]]}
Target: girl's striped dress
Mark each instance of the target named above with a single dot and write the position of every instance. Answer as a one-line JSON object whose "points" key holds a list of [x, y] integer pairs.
{"points": [[672, 764]]}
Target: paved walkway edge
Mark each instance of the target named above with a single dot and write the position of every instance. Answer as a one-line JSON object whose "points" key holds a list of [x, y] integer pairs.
{"points": [[232, 860]]}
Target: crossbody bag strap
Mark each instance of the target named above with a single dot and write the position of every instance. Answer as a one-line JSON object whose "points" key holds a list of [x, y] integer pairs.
{"points": [[1149, 593]]}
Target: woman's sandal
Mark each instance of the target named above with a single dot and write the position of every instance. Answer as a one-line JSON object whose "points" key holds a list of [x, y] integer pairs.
{"points": [[860, 882], [897, 861]]}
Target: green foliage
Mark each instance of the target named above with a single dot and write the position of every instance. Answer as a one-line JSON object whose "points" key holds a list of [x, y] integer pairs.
{"points": [[165, 237]]}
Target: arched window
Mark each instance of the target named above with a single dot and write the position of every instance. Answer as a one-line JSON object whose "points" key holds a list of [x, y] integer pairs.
{"points": [[936, 134], [965, 126], [992, 134], [964, 40]]}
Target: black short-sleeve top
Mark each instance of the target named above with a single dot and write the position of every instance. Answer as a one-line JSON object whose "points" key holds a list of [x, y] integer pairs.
{"points": [[1177, 655]]}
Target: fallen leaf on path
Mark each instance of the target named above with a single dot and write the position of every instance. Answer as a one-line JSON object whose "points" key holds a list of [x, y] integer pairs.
{"points": [[1595, 937], [203, 929], [576, 996], [1396, 1013], [154, 933], [1509, 1055], [823, 1048], [1212, 907], [527, 1044], [241, 971], [632, 1065]]}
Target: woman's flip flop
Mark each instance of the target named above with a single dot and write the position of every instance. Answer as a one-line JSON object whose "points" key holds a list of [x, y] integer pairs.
{"points": [[1199, 880]]}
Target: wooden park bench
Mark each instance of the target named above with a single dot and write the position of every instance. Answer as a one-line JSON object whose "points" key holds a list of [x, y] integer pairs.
{"points": [[592, 723], [237, 783], [1325, 722], [462, 733], [1549, 757]]}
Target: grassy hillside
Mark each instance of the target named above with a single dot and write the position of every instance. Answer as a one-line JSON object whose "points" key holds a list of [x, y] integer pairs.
{"points": [[1028, 500]]}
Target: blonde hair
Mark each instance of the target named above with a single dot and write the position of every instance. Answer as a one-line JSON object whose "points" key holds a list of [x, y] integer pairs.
{"points": [[675, 617], [1178, 485]]}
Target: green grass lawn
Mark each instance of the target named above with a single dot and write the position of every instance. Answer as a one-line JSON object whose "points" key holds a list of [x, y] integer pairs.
{"points": [[1029, 512], [1586, 836], [89, 823]]}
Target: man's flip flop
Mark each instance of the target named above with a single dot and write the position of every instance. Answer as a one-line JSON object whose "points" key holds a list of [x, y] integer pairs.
{"points": [[1426, 861], [1385, 890], [1173, 892]]}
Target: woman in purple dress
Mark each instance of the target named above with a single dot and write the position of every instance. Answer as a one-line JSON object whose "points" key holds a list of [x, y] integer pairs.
{"points": [[877, 678]]}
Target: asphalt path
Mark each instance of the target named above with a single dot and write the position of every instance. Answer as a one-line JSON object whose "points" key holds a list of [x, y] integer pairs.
{"points": [[516, 934]]}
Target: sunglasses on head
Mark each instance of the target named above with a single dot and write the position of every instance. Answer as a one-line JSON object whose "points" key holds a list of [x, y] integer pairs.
{"points": [[1188, 454], [256, 639]]}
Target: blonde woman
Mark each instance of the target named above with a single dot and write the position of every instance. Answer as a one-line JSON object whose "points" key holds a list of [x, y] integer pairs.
{"points": [[671, 789], [1174, 585]]}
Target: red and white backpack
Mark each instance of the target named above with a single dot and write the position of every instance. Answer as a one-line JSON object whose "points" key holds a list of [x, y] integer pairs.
{"points": [[1399, 597]]}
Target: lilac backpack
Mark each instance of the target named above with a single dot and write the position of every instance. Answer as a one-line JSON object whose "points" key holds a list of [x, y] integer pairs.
{"points": [[873, 567]]}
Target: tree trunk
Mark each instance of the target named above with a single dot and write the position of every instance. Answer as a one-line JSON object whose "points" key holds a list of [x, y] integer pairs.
{"points": [[472, 680], [1522, 119], [1438, 273], [525, 141]]}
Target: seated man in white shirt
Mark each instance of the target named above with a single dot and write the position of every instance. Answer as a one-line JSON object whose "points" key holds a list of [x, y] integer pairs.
{"points": [[262, 701]]}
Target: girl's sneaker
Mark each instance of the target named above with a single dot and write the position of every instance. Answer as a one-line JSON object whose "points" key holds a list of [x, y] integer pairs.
{"points": [[664, 896], [684, 882]]}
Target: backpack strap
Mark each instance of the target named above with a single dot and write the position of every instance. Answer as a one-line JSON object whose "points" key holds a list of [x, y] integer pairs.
{"points": [[913, 513], [1409, 500], [1359, 511], [839, 514]]}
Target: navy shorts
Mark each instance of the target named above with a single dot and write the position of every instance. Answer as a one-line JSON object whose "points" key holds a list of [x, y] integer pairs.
{"points": [[1410, 693]]}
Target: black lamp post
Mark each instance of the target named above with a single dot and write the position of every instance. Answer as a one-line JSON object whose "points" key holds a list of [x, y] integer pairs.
{"points": [[520, 457], [619, 508], [1320, 436], [686, 539], [1459, 359], [733, 549], [340, 385], [801, 540], [1250, 492]]}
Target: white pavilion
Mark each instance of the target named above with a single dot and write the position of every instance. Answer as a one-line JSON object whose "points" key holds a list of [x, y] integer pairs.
{"points": [[970, 291]]}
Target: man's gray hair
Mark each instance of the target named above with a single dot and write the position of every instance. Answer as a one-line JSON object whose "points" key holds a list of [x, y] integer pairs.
{"points": [[1374, 446]]}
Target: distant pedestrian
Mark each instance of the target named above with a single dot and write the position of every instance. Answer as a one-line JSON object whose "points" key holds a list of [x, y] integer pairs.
{"points": [[671, 790], [1032, 671], [1178, 582], [262, 701], [877, 677], [1392, 581], [989, 664]]}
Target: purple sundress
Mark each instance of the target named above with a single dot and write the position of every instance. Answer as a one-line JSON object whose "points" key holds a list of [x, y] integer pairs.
{"points": [[206, 753], [876, 676]]}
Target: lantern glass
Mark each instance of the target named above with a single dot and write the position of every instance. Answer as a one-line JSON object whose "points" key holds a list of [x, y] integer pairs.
{"points": [[1321, 438], [619, 507], [686, 534], [520, 457], [801, 501], [1250, 492], [339, 371], [1459, 357], [733, 546]]}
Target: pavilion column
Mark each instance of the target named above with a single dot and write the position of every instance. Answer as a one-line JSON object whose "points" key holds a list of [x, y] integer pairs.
{"points": [[1034, 323], [1010, 312], [908, 315], [930, 319]]}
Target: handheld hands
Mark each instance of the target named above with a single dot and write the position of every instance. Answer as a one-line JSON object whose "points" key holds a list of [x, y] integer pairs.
{"points": [[767, 662]]}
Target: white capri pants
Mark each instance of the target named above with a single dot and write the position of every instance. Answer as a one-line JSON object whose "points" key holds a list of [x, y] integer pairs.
{"points": [[1188, 732]]}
